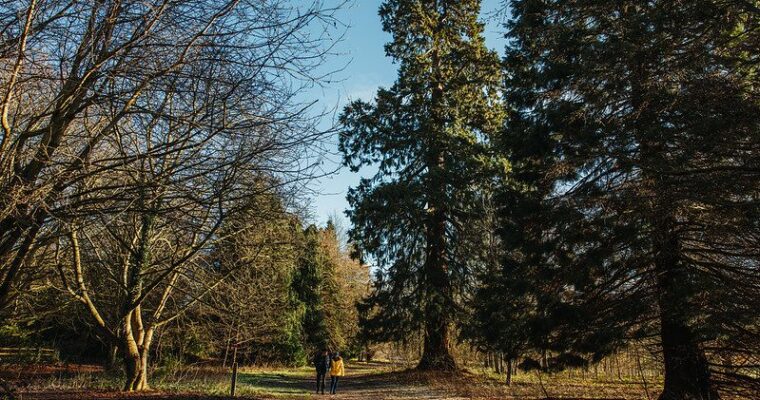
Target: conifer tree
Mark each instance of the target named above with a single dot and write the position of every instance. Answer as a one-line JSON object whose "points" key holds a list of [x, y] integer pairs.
{"points": [[428, 135], [308, 283], [512, 289], [642, 206]]}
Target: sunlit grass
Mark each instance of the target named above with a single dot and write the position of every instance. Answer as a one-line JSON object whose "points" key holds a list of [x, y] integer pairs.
{"points": [[366, 381]]}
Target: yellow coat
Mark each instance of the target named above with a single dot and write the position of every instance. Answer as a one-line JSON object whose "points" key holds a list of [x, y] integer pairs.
{"points": [[336, 368]]}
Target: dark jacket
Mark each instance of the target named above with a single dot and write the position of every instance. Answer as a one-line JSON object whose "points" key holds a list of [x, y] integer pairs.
{"points": [[321, 362]]}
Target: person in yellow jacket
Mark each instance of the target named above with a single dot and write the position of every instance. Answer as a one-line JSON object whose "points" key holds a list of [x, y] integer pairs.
{"points": [[336, 371]]}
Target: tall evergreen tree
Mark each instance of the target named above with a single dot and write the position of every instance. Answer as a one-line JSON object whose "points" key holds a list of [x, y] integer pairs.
{"points": [[642, 186], [428, 135], [345, 283], [308, 283], [512, 289], [256, 306]]}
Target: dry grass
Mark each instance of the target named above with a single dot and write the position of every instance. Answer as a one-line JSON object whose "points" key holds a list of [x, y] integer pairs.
{"points": [[363, 382], [475, 385]]}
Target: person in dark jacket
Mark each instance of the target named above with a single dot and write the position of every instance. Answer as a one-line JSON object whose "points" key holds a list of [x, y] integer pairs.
{"points": [[322, 365]]}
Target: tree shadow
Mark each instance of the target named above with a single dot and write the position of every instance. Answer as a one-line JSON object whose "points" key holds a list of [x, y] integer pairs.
{"points": [[368, 378]]}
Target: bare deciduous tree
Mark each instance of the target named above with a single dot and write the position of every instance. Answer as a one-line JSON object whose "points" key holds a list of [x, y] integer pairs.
{"points": [[83, 81], [132, 129]]}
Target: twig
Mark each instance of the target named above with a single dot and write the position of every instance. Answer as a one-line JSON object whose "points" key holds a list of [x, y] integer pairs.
{"points": [[641, 373], [541, 383]]}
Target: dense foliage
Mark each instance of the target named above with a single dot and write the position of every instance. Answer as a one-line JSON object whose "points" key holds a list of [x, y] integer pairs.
{"points": [[264, 312], [633, 212]]}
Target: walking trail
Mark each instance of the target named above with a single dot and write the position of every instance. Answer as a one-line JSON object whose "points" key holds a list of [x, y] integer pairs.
{"points": [[362, 382]]}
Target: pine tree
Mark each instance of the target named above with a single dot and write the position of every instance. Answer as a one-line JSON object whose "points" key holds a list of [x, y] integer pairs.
{"points": [[345, 283], [513, 288], [256, 305], [308, 283], [644, 121], [428, 135]]}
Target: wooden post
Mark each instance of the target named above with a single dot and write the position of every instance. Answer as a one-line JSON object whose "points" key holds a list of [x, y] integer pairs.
{"points": [[233, 384]]}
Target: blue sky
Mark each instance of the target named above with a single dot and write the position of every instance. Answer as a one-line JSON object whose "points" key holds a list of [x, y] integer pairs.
{"points": [[368, 68]]}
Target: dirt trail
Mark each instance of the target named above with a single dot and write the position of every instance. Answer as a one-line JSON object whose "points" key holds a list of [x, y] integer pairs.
{"points": [[362, 382], [377, 382]]}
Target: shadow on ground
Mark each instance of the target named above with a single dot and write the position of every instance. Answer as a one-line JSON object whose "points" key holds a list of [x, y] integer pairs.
{"points": [[362, 381], [374, 381]]}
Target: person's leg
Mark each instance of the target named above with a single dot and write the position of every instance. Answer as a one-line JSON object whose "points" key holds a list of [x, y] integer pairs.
{"points": [[324, 375], [318, 376], [333, 384]]}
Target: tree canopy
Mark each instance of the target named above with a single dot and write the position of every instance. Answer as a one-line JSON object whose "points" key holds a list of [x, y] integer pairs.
{"points": [[634, 136], [429, 136]]}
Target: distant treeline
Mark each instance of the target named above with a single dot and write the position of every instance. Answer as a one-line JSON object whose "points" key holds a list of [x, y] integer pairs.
{"points": [[294, 291]]}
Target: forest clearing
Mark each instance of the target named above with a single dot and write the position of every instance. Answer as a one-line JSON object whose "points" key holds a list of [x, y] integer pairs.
{"points": [[363, 381], [380, 199]]}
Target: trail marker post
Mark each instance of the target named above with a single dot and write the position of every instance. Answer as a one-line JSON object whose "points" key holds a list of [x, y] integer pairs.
{"points": [[233, 383]]}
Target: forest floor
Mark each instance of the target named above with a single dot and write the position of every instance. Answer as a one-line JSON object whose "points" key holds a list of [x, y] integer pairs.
{"points": [[362, 382]]}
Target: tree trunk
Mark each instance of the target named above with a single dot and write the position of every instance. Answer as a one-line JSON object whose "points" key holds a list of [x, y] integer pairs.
{"points": [[509, 372], [544, 359], [9, 272], [144, 355], [113, 353], [132, 367], [687, 374], [435, 355], [136, 369], [136, 353]]}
